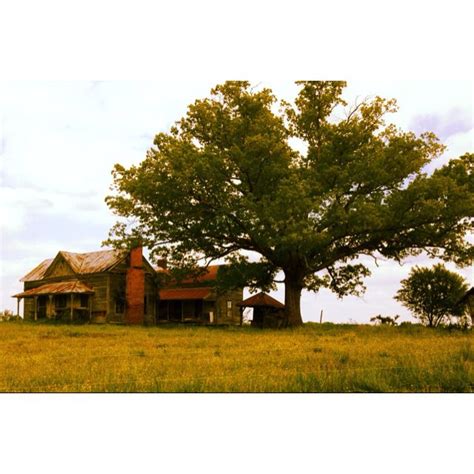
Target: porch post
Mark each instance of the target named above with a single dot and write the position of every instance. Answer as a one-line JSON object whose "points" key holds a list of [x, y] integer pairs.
{"points": [[241, 315], [36, 308], [18, 306], [72, 296], [90, 308], [50, 306]]}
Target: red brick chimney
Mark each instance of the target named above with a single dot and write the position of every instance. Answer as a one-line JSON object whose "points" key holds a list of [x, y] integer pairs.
{"points": [[135, 288]]}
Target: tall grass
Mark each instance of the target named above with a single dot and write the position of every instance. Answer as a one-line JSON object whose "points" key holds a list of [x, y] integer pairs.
{"points": [[36, 357]]}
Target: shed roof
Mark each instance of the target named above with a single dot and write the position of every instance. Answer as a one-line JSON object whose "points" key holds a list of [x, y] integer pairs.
{"points": [[261, 299], [62, 287], [81, 263], [185, 293]]}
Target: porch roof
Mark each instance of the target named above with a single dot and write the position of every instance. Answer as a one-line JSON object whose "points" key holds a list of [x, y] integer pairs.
{"points": [[185, 293], [62, 287]]}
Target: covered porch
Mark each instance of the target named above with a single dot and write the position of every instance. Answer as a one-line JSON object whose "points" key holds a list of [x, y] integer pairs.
{"points": [[69, 300], [188, 305]]}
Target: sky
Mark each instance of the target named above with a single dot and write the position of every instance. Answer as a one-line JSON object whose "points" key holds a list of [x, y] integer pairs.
{"points": [[60, 139]]}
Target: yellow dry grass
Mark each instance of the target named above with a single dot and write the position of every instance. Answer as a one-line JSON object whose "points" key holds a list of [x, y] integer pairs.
{"points": [[315, 358]]}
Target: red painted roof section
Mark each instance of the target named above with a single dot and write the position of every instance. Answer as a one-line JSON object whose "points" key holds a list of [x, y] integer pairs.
{"points": [[62, 287], [261, 299], [184, 293], [210, 275]]}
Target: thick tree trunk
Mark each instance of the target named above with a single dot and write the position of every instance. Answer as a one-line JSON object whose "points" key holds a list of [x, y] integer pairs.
{"points": [[292, 303]]}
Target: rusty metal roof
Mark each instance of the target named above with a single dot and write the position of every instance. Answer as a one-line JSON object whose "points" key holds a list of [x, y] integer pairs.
{"points": [[93, 262], [81, 263], [38, 272], [62, 287], [185, 293], [261, 299]]}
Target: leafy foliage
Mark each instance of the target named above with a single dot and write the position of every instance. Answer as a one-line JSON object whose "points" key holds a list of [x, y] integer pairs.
{"points": [[386, 320], [433, 294], [227, 181]]}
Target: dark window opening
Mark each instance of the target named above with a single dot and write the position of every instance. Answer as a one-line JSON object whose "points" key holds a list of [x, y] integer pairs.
{"points": [[84, 299], [60, 301], [41, 308], [119, 305]]}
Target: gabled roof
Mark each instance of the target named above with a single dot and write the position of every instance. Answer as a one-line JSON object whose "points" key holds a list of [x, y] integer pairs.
{"points": [[93, 262], [80, 263], [62, 287], [261, 299]]}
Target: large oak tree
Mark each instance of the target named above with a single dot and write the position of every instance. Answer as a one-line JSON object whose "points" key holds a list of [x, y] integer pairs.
{"points": [[308, 186]]}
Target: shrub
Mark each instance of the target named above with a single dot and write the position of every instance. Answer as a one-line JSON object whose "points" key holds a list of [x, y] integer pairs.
{"points": [[433, 295], [7, 315], [385, 320]]}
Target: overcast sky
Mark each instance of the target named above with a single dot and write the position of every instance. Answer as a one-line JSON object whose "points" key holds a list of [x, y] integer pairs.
{"points": [[60, 140]]}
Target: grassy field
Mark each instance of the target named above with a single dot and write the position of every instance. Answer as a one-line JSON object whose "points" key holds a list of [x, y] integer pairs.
{"points": [[36, 357]]}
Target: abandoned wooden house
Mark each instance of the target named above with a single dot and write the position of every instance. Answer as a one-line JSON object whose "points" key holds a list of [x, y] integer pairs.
{"points": [[198, 299], [121, 287]]}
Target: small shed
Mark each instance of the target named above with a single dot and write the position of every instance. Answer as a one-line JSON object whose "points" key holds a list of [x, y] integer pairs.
{"points": [[267, 311]]}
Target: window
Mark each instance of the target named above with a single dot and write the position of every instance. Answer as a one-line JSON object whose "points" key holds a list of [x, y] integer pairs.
{"points": [[119, 305], [145, 305], [229, 309], [60, 301], [84, 301]]}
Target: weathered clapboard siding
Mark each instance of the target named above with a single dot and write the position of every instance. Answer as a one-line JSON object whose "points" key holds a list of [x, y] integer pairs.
{"points": [[225, 314], [99, 299], [59, 267], [116, 300], [29, 308], [150, 295]]}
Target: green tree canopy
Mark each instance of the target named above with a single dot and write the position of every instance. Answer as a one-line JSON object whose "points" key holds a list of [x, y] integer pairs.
{"points": [[433, 294], [307, 186]]}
